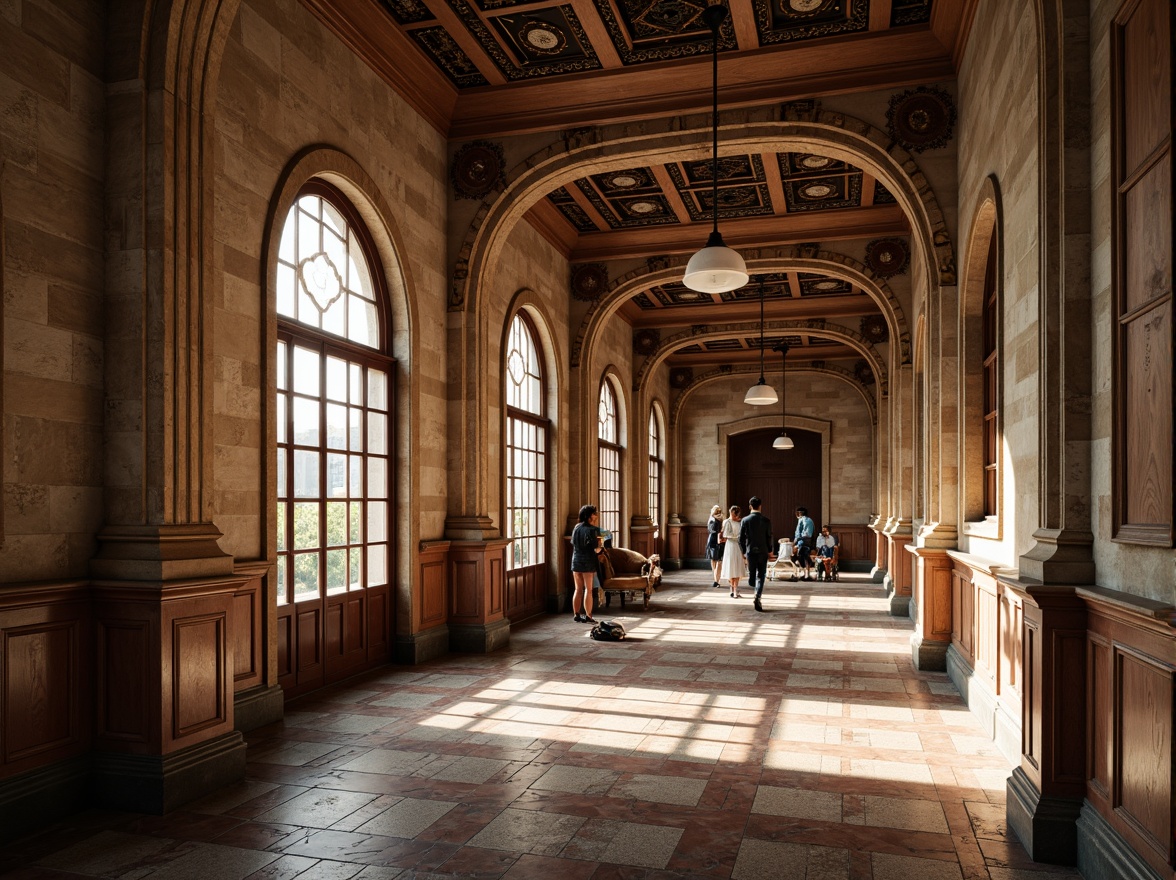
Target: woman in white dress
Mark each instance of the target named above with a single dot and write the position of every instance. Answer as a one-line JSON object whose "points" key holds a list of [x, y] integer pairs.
{"points": [[734, 565]]}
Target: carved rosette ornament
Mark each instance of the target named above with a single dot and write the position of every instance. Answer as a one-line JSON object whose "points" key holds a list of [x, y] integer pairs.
{"points": [[645, 342], [888, 257], [680, 377], [921, 119], [478, 167], [864, 374], [589, 281], [874, 328]]}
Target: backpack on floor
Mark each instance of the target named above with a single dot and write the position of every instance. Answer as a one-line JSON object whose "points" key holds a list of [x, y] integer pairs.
{"points": [[608, 631]]}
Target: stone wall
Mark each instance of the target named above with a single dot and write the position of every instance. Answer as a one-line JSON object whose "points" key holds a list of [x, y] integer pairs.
{"points": [[51, 207], [998, 135], [287, 84], [812, 395]]}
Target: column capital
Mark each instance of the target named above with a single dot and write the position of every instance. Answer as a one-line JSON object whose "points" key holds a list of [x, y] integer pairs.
{"points": [[479, 527], [1059, 556], [160, 553]]}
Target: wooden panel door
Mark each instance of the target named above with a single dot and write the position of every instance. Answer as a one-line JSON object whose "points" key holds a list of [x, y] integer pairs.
{"points": [[784, 478]]}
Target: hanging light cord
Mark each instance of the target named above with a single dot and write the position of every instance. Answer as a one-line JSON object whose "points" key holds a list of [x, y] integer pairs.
{"points": [[761, 286], [715, 122]]}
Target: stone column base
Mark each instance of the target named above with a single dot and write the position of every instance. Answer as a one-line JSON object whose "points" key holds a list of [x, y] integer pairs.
{"points": [[877, 574], [479, 638], [258, 707], [928, 655], [1046, 826], [900, 606], [1103, 854], [413, 648], [157, 784]]}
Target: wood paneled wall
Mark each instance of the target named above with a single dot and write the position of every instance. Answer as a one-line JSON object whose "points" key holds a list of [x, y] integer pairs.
{"points": [[1130, 676], [986, 629], [46, 660]]}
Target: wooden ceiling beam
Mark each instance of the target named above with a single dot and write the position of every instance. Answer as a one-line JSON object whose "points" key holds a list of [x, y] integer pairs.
{"points": [[880, 14], [668, 317], [884, 60], [553, 226], [849, 223], [750, 357]]}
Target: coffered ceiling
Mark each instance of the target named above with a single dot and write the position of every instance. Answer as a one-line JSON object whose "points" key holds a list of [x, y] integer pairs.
{"points": [[481, 70]]}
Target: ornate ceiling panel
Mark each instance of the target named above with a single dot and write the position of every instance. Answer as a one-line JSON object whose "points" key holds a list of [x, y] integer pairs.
{"points": [[785, 21], [642, 31]]}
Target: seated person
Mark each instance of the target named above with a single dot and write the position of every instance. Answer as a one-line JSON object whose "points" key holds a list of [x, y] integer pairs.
{"points": [[826, 547]]}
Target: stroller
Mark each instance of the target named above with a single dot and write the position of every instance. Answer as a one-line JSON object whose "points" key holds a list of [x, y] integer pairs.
{"points": [[826, 559]]}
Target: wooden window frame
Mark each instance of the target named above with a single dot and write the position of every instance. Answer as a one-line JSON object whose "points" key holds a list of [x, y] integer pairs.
{"points": [[516, 418]]}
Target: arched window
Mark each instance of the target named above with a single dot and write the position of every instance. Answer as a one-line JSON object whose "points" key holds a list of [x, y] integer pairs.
{"points": [[334, 435], [990, 368], [526, 448], [609, 461], [655, 468]]}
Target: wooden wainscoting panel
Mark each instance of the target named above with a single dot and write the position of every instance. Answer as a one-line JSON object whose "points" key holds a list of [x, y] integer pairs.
{"points": [[1143, 757], [245, 623], [466, 588], [986, 614], [285, 640], [963, 612], [496, 572], [1031, 744], [46, 674], [695, 542], [307, 631], [433, 592], [41, 685], [198, 663], [379, 623], [124, 704], [1012, 612], [1099, 715], [857, 541]]}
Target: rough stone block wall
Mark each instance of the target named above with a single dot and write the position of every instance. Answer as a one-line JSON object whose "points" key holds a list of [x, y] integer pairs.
{"points": [[998, 94], [52, 278], [813, 395], [287, 83]]}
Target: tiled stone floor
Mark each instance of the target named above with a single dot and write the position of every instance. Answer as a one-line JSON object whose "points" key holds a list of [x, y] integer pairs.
{"points": [[715, 743]]}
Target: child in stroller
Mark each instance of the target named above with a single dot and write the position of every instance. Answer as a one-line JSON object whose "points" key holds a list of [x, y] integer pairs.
{"points": [[827, 552]]}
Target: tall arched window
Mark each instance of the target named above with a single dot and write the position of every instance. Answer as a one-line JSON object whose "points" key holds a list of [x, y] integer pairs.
{"points": [[334, 442], [991, 367], [526, 471], [609, 461], [655, 468]]}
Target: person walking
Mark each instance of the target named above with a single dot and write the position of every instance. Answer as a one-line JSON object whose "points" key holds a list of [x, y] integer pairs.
{"points": [[714, 548], [734, 565], [755, 541], [804, 542], [587, 544]]}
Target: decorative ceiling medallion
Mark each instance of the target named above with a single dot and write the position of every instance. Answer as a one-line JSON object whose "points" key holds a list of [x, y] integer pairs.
{"points": [[321, 281], [477, 169], [921, 119], [820, 285], [874, 329], [824, 193], [542, 37], [680, 377], [817, 191], [784, 21], [863, 373], [814, 163], [575, 55], [645, 342], [660, 30], [589, 281], [887, 257]]}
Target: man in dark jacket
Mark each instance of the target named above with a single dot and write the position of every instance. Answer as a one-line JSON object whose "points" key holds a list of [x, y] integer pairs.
{"points": [[755, 542]]}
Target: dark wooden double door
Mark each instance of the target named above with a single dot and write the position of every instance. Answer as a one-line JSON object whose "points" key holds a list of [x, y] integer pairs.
{"points": [[784, 478]]}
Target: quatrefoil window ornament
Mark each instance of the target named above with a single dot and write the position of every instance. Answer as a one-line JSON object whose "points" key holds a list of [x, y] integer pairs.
{"points": [[321, 281]]}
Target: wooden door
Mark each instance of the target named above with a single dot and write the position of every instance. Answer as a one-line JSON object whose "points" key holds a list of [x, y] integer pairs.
{"points": [[783, 479]]}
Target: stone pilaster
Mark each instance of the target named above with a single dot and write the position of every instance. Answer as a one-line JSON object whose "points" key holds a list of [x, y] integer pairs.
{"points": [[931, 602], [878, 572], [898, 576]]}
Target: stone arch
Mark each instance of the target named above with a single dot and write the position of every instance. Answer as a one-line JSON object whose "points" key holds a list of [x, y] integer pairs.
{"points": [[663, 269], [340, 169], [717, 331], [602, 148], [706, 378]]}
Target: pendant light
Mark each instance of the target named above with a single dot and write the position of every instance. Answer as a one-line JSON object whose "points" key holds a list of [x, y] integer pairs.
{"points": [[783, 441], [761, 393], [716, 268]]}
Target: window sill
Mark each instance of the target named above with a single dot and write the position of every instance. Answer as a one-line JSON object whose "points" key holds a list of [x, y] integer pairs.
{"points": [[989, 527]]}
